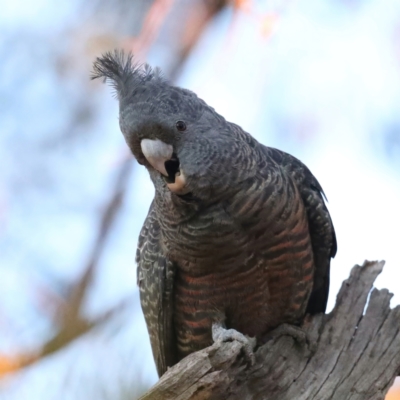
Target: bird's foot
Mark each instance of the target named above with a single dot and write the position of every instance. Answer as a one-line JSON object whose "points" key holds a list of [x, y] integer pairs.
{"points": [[221, 334], [298, 334]]}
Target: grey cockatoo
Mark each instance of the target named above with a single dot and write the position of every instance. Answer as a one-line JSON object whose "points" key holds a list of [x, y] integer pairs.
{"points": [[237, 232]]}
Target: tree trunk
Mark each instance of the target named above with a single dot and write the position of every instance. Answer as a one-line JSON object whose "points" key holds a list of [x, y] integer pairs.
{"points": [[353, 353]]}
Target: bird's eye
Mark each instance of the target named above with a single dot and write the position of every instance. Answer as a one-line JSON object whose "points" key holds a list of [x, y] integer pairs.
{"points": [[181, 126]]}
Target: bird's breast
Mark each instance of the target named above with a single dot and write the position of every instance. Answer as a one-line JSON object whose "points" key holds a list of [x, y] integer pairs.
{"points": [[212, 238], [250, 260]]}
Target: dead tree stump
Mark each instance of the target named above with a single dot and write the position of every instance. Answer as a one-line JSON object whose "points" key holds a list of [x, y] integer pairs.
{"points": [[353, 353]]}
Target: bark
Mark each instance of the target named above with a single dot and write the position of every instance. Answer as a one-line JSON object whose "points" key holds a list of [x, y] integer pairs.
{"points": [[353, 353]]}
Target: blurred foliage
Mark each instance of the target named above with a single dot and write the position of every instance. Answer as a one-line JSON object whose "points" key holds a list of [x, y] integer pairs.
{"points": [[50, 66], [65, 187]]}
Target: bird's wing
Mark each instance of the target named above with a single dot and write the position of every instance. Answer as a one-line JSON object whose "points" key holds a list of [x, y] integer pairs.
{"points": [[155, 275], [322, 233]]}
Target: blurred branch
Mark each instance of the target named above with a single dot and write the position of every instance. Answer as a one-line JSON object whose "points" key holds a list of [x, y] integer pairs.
{"points": [[106, 221], [71, 323], [69, 320], [350, 355], [152, 23], [197, 18], [176, 25]]}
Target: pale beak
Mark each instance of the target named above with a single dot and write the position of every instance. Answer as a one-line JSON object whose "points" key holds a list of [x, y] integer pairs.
{"points": [[179, 186], [156, 153]]}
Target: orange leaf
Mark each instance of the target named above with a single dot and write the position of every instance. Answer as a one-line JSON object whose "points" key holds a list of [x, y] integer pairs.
{"points": [[10, 364], [244, 5], [394, 393]]}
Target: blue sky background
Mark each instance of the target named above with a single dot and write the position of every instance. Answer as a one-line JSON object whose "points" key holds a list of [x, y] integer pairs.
{"points": [[324, 85]]}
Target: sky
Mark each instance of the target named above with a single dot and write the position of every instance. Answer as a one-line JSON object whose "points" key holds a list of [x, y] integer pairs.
{"points": [[318, 79]]}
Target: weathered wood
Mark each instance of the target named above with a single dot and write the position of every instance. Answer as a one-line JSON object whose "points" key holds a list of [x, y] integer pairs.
{"points": [[353, 353]]}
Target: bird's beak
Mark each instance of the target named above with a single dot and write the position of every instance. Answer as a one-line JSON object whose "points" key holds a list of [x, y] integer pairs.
{"points": [[179, 186], [156, 153]]}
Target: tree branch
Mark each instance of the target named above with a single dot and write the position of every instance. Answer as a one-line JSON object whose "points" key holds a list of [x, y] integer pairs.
{"points": [[353, 353]]}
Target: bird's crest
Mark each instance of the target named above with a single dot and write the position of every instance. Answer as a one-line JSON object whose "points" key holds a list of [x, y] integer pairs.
{"points": [[124, 74]]}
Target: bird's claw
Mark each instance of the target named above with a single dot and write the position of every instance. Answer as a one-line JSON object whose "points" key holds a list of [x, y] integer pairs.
{"points": [[298, 334], [221, 334]]}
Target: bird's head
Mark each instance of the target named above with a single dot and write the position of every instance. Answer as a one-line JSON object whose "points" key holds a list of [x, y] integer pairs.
{"points": [[177, 136]]}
